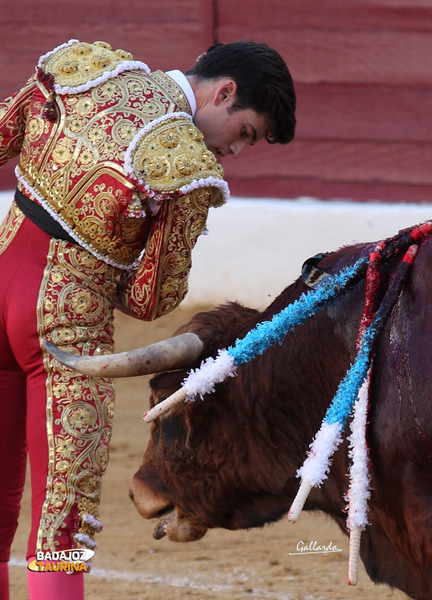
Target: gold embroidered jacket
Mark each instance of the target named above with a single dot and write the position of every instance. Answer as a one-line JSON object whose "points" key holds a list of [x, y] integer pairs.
{"points": [[109, 149]]}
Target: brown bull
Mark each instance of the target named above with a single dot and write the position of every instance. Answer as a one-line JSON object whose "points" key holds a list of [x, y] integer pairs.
{"points": [[230, 461]]}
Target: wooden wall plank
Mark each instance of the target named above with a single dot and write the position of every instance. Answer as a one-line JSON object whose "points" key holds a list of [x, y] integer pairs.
{"points": [[7, 175], [329, 190], [395, 15], [162, 33], [349, 57], [337, 160], [364, 112], [363, 73]]}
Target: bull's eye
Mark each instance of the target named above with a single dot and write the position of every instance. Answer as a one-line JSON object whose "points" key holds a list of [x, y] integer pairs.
{"points": [[173, 428], [165, 384]]}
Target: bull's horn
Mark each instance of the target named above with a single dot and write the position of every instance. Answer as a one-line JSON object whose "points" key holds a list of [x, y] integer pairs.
{"points": [[175, 353]]}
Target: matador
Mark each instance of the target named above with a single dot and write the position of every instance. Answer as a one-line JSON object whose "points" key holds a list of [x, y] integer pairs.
{"points": [[114, 182], [110, 163]]}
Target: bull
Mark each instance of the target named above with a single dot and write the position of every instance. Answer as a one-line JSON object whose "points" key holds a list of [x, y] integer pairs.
{"points": [[230, 461]]}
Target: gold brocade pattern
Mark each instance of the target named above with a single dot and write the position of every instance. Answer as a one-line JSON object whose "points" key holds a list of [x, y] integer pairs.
{"points": [[9, 226], [76, 164], [13, 115], [168, 86], [153, 291], [79, 172], [172, 155], [75, 312], [78, 63]]}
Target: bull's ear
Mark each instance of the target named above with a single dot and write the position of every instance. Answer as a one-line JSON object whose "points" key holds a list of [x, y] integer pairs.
{"points": [[165, 384]]}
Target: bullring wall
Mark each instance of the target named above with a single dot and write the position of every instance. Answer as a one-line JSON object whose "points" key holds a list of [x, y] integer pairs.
{"points": [[362, 68]]}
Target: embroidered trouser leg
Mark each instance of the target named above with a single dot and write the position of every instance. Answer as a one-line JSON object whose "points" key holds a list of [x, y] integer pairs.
{"points": [[58, 291]]}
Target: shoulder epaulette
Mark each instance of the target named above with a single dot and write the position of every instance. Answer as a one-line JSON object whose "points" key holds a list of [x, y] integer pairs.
{"points": [[170, 155], [78, 66]]}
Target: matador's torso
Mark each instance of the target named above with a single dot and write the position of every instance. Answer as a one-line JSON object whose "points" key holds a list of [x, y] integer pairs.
{"points": [[105, 143]]}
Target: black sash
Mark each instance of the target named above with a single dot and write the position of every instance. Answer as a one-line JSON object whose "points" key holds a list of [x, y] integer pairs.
{"points": [[40, 217]]}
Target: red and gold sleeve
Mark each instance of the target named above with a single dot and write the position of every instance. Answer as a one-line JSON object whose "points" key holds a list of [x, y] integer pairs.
{"points": [[161, 280], [13, 115]]}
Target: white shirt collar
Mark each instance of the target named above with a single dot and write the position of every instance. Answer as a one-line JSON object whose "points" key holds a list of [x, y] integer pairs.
{"points": [[182, 81]]}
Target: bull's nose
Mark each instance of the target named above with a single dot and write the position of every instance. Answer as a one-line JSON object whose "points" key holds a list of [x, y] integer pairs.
{"points": [[147, 502]]}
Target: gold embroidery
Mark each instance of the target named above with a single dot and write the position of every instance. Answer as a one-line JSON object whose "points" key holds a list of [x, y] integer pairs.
{"points": [[160, 282], [13, 114], [10, 225], [88, 148], [75, 311], [79, 63], [35, 128], [170, 88], [172, 155], [76, 165]]}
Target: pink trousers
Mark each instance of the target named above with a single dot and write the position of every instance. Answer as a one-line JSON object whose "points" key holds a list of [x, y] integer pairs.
{"points": [[55, 290]]}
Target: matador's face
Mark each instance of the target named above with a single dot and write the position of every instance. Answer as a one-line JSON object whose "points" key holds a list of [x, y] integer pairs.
{"points": [[227, 131]]}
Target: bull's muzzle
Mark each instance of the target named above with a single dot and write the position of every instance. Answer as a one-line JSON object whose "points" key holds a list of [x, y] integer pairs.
{"points": [[176, 527], [147, 502]]}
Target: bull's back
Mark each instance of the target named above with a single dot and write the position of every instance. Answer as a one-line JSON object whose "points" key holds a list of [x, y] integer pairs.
{"points": [[400, 430]]}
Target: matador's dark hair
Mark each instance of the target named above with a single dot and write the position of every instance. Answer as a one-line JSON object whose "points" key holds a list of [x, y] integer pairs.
{"points": [[263, 80]]}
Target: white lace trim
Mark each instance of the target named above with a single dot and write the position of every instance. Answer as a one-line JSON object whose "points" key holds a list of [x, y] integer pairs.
{"points": [[92, 521], [48, 54], [208, 182]]}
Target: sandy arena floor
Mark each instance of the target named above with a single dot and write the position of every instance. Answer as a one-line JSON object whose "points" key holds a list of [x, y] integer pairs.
{"points": [[223, 565]]}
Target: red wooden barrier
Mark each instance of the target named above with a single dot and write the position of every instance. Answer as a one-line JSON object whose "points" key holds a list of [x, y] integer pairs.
{"points": [[363, 73]]}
